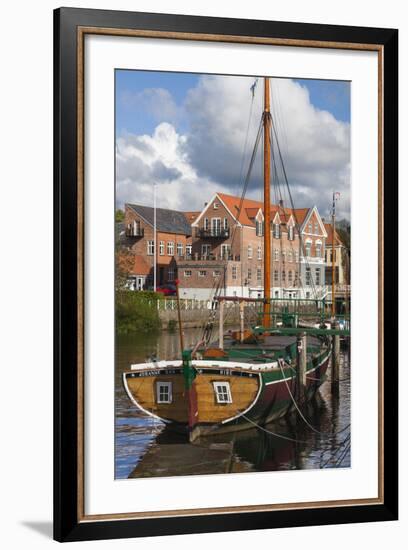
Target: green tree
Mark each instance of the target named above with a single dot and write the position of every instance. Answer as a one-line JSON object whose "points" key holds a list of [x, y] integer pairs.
{"points": [[119, 215]]}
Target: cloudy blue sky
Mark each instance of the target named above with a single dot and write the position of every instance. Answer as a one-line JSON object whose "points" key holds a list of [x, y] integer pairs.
{"points": [[193, 135]]}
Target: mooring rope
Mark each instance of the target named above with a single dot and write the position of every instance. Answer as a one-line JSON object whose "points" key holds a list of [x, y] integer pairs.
{"points": [[272, 433], [325, 434]]}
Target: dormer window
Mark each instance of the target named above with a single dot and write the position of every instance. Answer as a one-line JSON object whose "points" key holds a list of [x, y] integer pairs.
{"points": [[259, 228], [216, 205], [290, 233]]}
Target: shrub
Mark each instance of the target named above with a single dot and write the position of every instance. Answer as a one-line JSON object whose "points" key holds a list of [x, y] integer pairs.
{"points": [[136, 311]]}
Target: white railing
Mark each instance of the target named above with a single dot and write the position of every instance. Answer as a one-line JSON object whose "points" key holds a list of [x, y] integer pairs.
{"points": [[170, 304], [340, 290]]}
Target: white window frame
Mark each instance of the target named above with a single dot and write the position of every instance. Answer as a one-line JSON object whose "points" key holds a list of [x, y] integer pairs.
{"points": [[250, 251], [187, 273], [216, 273], [276, 254], [276, 230], [249, 274], [206, 224], [150, 248], [189, 249], [216, 205], [220, 386], [170, 275], [216, 227], [259, 252], [205, 249], [170, 248], [202, 273], [169, 386], [259, 228], [234, 272], [179, 249], [225, 251], [161, 248], [259, 275], [318, 249], [225, 223], [308, 248], [290, 233]]}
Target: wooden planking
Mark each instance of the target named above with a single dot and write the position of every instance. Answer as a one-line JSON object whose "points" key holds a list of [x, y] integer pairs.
{"points": [[243, 391], [144, 392]]}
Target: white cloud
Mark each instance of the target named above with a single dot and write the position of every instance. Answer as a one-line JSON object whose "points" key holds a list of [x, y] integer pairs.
{"points": [[160, 158], [208, 157]]}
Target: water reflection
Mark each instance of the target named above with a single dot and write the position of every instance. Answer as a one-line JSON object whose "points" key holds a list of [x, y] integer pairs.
{"points": [[322, 441]]}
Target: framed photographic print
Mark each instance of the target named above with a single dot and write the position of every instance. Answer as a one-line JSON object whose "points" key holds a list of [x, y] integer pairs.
{"points": [[225, 274]]}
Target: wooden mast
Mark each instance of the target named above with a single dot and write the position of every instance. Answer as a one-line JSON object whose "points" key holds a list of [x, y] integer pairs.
{"points": [[267, 205]]}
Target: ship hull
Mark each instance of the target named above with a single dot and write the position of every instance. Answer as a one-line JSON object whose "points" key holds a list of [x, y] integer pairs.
{"points": [[258, 394]]}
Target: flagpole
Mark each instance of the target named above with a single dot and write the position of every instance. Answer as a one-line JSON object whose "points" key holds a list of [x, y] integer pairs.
{"points": [[335, 198], [155, 239]]}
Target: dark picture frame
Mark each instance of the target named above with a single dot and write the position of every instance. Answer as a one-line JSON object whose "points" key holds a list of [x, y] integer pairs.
{"points": [[70, 27]]}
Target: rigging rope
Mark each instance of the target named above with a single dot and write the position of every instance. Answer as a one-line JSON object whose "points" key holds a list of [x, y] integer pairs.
{"points": [[280, 205]]}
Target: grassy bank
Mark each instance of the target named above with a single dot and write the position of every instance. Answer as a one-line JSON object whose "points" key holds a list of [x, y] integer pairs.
{"points": [[136, 312]]}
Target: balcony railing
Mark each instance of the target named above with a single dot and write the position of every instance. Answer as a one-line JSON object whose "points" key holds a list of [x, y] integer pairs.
{"points": [[213, 233], [135, 232]]}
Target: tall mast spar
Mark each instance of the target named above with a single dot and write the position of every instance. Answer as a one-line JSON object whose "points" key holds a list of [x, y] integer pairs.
{"points": [[267, 204]]}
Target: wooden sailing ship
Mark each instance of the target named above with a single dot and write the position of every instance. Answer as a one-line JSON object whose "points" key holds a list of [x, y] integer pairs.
{"points": [[250, 382]]}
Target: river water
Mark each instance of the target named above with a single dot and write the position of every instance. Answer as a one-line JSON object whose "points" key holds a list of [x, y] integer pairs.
{"points": [[320, 440]]}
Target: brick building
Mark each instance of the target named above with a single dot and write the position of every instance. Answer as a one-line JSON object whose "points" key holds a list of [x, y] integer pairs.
{"points": [[341, 268], [227, 250], [222, 247], [173, 240]]}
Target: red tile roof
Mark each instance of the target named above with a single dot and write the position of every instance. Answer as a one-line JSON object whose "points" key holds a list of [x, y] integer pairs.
{"points": [[250, 208], [140, 266], [191, 216]]}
